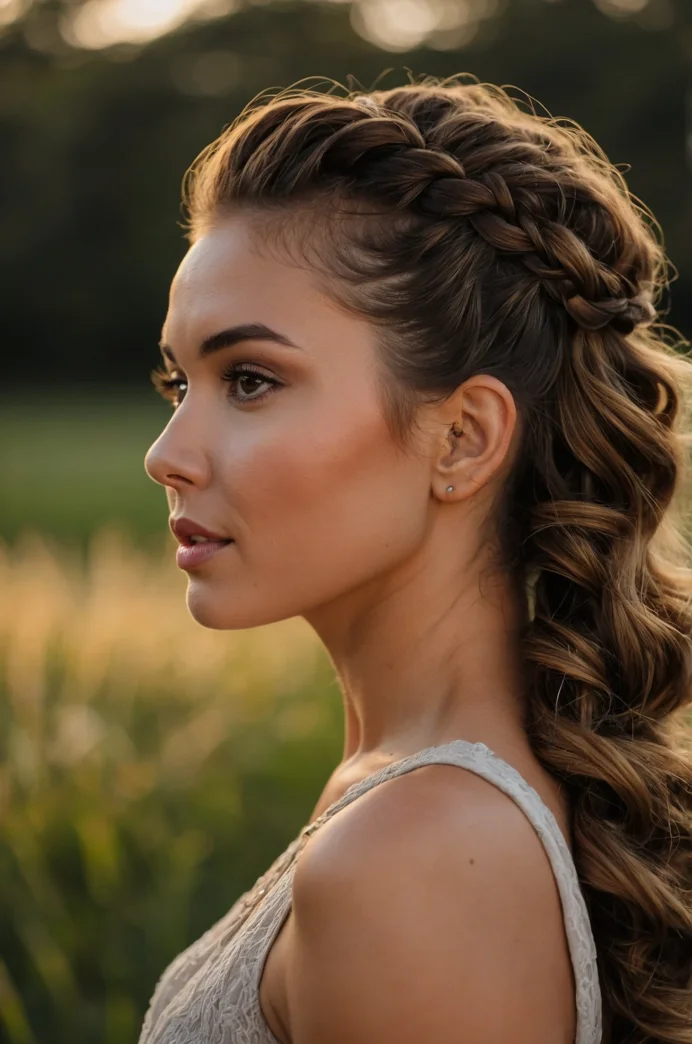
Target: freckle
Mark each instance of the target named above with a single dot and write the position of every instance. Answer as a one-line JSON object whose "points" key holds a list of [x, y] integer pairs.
{"points": [[471, 861]]}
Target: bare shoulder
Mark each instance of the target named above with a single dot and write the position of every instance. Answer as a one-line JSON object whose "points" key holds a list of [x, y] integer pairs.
{"points": [[427, 909]]}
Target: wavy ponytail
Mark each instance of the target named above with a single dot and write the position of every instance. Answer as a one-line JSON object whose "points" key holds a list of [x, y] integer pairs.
{"points": [[480, 237], [609, 652]]}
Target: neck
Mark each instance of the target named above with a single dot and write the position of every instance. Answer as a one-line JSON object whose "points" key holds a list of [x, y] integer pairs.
{"points": [[427, 658]]}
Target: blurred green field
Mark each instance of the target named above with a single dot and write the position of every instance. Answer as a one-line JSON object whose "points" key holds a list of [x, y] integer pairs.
{"points": [[150, 771], [72, 461]]}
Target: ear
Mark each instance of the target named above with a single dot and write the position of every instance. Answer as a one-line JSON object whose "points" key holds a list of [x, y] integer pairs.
{"points": [[483, 410]]}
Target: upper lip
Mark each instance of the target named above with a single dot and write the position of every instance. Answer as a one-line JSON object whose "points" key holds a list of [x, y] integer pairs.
{"points": [[184, 528]]}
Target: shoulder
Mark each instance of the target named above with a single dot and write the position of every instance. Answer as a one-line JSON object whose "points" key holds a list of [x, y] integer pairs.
{"points": [[427, 906]]}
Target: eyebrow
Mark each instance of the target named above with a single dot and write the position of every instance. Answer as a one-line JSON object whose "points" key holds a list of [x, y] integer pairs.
{"points": [[233, 335]]}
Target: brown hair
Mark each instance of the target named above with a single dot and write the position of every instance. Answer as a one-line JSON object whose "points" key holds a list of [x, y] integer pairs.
{"points": [[481, 237]]}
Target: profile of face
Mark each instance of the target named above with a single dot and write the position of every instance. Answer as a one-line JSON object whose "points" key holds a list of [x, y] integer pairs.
{"points": [[282, 445]]}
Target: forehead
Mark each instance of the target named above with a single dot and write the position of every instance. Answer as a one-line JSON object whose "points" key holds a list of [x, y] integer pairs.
{"points": [[230, 274]]}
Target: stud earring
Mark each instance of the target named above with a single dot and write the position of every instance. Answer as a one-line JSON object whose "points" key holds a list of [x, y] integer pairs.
{"points": [[450, 489]]}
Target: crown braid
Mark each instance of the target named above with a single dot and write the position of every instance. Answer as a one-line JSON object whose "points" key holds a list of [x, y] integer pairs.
{"points": [[512, 206], [481, 238]]}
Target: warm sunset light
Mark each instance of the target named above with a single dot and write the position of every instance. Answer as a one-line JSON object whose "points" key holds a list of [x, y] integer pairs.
{"points": [[396, 25], [100, 23]]}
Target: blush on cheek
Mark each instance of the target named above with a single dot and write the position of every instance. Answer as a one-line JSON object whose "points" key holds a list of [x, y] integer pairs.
{"points": [[340, 514], [320, 495]]}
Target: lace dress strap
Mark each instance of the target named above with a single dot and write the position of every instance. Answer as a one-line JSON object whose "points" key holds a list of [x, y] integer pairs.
{"points": [[478, 758]]}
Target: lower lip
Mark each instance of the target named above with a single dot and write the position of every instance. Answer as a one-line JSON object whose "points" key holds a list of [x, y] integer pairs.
{"points": [[188, 556]]}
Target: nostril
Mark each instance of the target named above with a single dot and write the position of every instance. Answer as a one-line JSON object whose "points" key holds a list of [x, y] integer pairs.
{"points": [[174, 480]]}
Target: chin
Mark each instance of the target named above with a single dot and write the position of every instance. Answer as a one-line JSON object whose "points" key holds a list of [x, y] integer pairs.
{"points": [[220, 611], [208, 608]]}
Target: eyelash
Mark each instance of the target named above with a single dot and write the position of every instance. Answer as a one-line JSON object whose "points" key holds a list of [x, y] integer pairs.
{"points": [[166, 384]]}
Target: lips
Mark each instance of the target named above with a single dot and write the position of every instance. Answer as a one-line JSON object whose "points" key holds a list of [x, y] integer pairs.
{"points": [[184, 529]]}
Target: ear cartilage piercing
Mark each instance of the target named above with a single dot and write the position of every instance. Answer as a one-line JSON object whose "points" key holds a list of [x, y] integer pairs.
{"points": [[450, 489]]}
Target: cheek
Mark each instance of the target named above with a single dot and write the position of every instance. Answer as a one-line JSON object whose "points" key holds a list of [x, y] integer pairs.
{"points": [[337, 501]]}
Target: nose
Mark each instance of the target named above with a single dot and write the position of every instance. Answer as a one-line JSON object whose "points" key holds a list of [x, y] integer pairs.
{"points": [[170, 463]]}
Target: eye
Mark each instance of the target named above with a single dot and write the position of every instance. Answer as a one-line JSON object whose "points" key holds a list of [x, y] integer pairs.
{"points": [[168, 384], [237, 372], [171, 384]]}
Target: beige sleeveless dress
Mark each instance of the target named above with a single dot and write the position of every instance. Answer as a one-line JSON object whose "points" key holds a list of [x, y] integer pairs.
{"points": [[209, 994]]}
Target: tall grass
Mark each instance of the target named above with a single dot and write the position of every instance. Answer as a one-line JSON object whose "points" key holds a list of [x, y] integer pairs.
{"points": [[150, 770]]}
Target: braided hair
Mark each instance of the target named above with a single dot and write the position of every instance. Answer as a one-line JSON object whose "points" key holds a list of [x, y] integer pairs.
{"points": [[480, 237]]}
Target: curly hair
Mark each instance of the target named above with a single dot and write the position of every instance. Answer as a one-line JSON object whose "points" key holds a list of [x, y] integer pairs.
{"points": [[479, 236]]}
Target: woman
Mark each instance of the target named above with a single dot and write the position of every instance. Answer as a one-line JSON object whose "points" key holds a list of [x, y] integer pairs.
{"points": [[415, 378]]}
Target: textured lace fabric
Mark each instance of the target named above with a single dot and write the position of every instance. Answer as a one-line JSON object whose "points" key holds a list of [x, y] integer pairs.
{"points": [[209, 994]]}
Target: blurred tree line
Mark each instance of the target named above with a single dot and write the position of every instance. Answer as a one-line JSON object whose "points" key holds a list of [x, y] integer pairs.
{"points": [[94, 145]]}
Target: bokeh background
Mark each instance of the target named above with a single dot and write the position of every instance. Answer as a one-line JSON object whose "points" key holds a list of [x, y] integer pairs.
{"points": [[150, 770]]}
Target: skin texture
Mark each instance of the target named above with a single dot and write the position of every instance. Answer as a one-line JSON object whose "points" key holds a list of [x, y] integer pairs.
{"points": [[335, 522], [450, 931]]}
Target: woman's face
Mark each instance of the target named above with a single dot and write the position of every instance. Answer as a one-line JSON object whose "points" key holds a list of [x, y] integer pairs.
{"points": [[294, 461]]}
